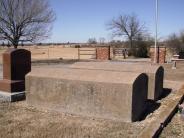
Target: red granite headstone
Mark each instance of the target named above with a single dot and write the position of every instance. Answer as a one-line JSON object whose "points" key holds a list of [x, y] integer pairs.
{"points": [[16, 64]]}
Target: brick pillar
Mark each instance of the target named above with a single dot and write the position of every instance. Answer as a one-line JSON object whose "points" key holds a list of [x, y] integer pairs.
{"points": [[103, 53], [161, 54]]}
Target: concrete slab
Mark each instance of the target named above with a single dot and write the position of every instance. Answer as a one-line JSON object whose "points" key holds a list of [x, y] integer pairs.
{"points": [[154, 72], [96, 93], [174, 85], [12, 97]]}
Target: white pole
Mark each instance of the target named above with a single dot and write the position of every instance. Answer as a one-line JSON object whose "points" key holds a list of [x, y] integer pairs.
{"points": [[156, 30]]}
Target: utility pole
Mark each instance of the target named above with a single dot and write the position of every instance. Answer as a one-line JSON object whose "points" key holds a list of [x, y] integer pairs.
{"points": [[156, 30]]}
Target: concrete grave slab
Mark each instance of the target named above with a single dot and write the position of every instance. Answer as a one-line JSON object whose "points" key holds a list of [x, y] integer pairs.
{"points": [[95, 93], [155, 73]]}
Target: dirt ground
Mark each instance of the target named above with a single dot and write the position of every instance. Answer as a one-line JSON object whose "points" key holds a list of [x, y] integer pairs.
{"points": [[20, 120], [175, 129]]}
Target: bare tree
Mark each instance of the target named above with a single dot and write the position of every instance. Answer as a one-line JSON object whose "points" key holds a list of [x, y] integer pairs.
{"points": [[174, 42], [25, 20], [182, 36], [101, 40], [128, 26], [92, 41]]}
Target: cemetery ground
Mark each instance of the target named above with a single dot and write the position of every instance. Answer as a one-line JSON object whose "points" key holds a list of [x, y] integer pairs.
{"points": [[20, 120]]}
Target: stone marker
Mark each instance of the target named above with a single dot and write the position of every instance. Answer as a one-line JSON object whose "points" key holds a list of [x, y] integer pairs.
{"points": [[88, 92], [155, 73], [16, 64]]}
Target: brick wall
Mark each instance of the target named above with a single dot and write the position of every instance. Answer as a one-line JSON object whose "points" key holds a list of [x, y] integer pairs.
{"points": [[161, 54], [103, 53]]}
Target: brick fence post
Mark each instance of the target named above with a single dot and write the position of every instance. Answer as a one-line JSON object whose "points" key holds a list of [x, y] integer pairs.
{"points": [[103, 53], [161, 54]]}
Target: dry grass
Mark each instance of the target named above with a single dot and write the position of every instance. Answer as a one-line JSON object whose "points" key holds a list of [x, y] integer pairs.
{"points": [[20, 120], [53, 52], [175, 129]]}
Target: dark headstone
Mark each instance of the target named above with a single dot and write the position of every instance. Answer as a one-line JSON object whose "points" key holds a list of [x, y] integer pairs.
{"points": [[16, 64]]}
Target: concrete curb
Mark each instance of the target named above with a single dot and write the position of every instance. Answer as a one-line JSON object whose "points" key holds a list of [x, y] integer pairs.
{"points": [[155, 127], [12, 97]]}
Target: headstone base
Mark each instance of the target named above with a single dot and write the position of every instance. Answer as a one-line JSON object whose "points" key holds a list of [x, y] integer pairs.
{"points": [[12, 97], [12, 86]]}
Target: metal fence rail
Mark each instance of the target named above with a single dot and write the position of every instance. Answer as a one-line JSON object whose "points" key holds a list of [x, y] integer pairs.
{"points": [[89, 53]]}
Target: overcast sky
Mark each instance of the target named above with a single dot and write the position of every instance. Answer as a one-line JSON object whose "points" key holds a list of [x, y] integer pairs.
{"points": [[79, 20]]}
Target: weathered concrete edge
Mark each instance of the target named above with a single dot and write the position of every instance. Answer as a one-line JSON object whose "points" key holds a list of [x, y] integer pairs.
{"points": [[155, 127], [12, 97], [168, 118]]}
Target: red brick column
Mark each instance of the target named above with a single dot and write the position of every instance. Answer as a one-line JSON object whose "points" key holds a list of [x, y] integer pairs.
{"points": [[103, 53], [161, 54]]}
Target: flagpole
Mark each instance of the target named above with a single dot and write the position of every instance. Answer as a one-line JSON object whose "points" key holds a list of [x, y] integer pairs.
{"points": [[156, 30]]}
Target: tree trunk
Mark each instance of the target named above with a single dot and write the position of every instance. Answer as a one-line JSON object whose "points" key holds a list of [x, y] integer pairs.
{"points": [[131, 43], [15, 43], [15, 46], [131, 46]]}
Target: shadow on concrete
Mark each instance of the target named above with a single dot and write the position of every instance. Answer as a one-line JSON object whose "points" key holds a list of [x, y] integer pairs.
{"points": [[150, 108], [153, 105], [166, 92]]}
